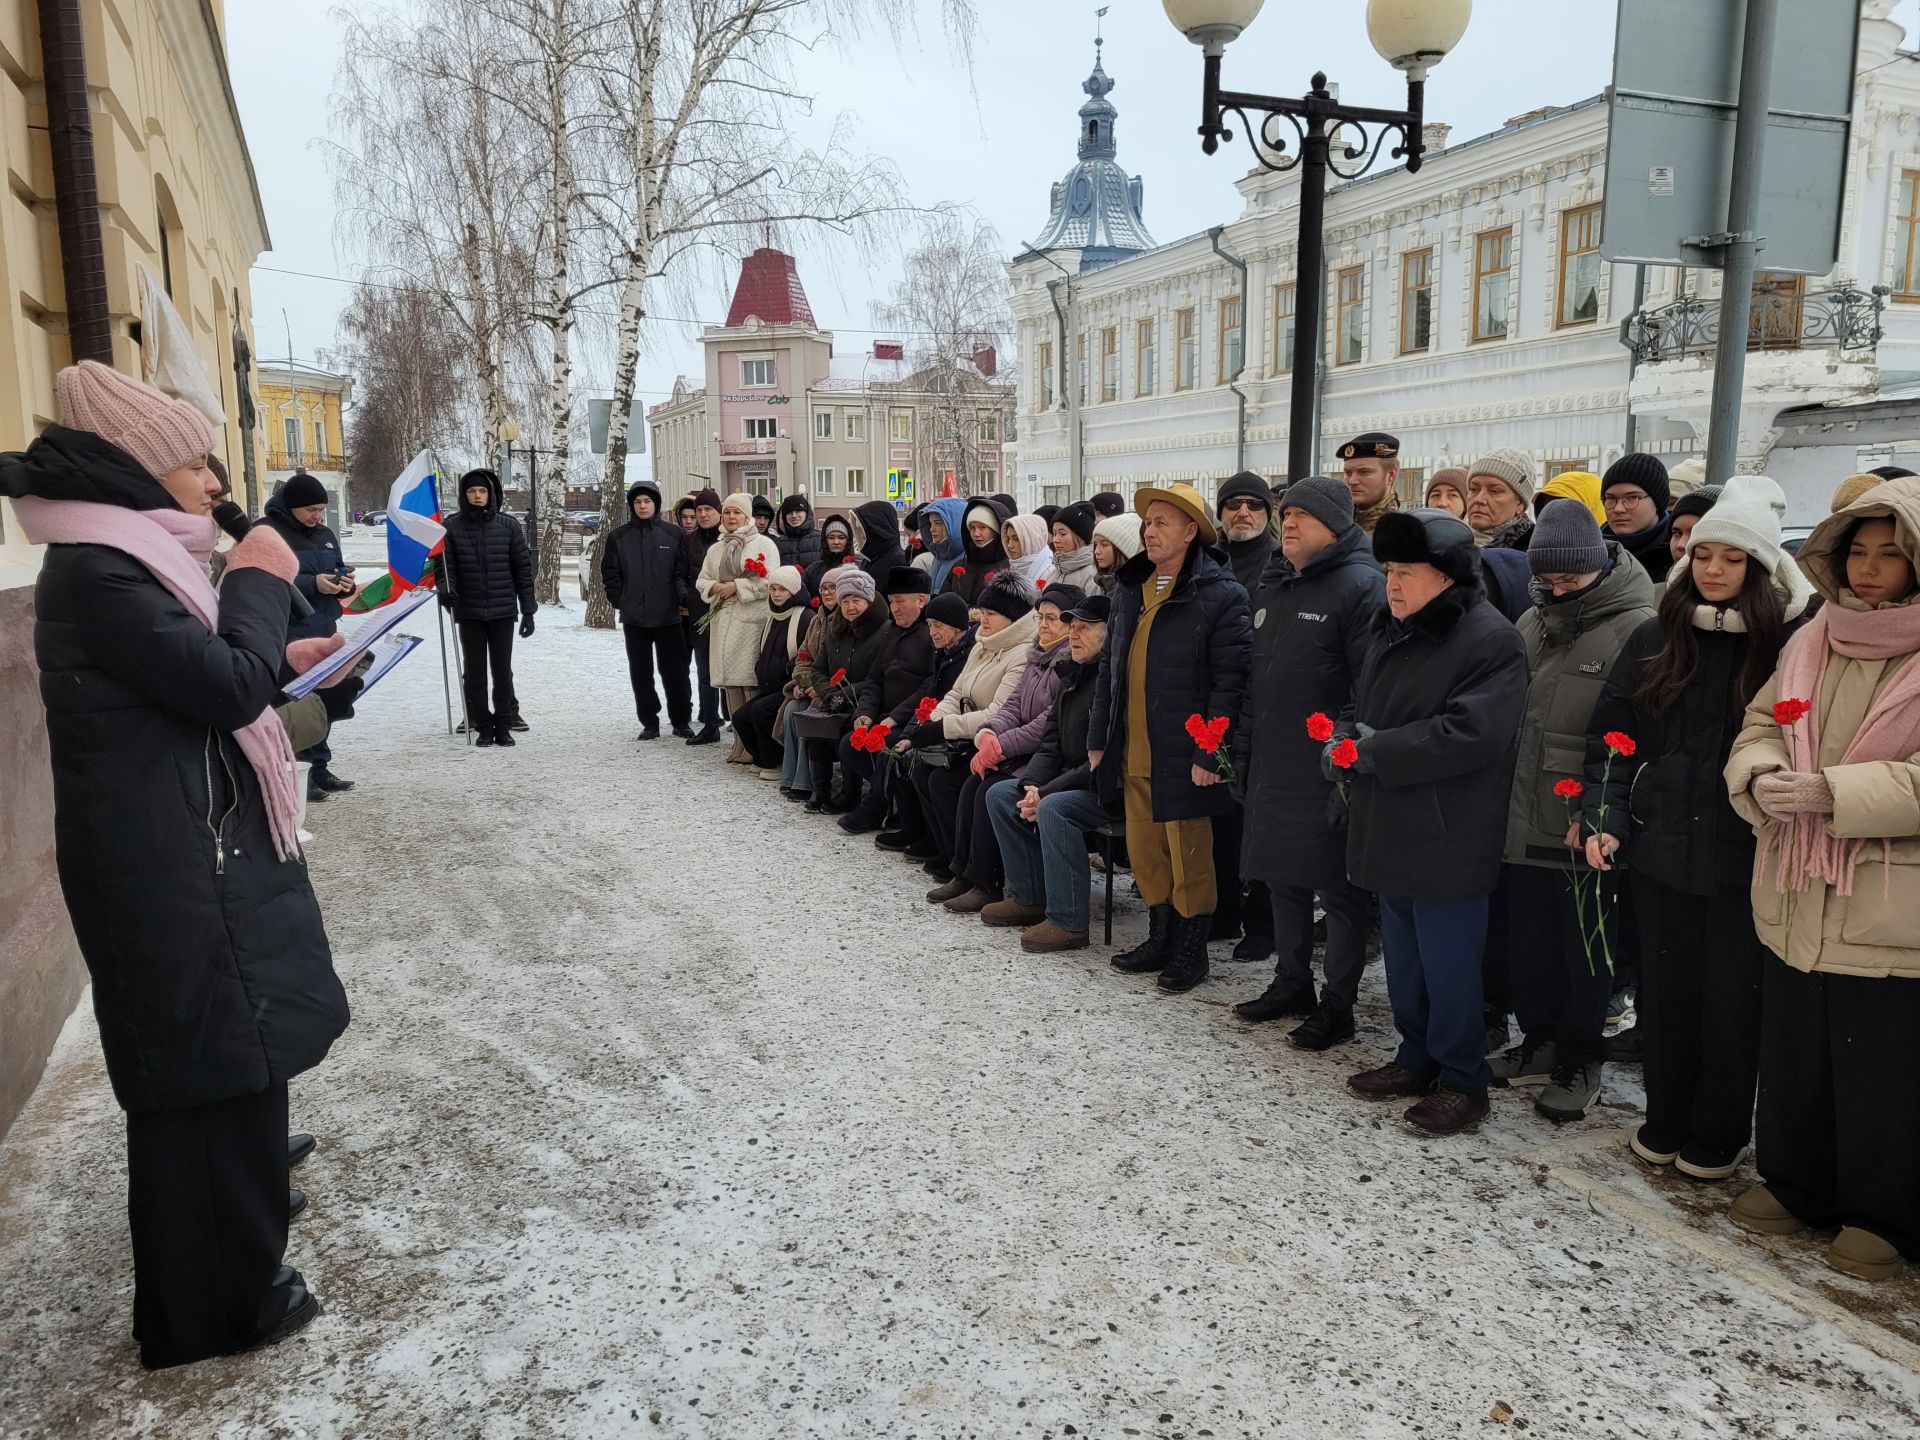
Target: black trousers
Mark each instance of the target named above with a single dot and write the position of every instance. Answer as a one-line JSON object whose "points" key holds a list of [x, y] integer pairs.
{"points": [[1346, 955], [703, 663], [487, 646], [1558, 993], [939, 792], [1838, 1138], [1496, 984], [976, 849], [1699, 1012], [669, 643], [207, 1206], [754, 724]]}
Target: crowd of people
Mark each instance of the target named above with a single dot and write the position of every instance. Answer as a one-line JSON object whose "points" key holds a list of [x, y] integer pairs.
{"points": [[1586, 752], [1562, 744]]}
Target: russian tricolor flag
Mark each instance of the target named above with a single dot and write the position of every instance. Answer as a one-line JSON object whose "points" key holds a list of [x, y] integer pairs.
{"points": [[415, 535]]}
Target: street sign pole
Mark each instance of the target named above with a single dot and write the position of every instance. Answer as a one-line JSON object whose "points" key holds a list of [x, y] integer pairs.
{"points": [[1740, 244]]}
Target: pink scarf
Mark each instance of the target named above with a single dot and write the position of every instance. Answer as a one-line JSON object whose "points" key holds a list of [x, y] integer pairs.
{"points": [[176, 548], [1801, 849]]}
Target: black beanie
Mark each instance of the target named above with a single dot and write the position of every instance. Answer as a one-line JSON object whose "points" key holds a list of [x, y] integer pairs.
{"points": [[1697, 501], [1080, 518], [908, 580], [1062, 597], [1646, 471], [303, 490], [1047, 513], [949, 609], [1009, 596], [1245, 485], [1106, 504], [763, 506]]}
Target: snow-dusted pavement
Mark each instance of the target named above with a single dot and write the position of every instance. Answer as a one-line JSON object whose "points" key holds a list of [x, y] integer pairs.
{"points": [[670, 1111]]}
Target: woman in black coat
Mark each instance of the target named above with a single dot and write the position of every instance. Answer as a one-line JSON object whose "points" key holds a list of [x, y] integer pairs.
{"points": [[1680, 690], [982, 556], [836, 544], [213, 983]]}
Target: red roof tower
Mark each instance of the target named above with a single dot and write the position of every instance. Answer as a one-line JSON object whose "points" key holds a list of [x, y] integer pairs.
{"points": [[769, 288]]}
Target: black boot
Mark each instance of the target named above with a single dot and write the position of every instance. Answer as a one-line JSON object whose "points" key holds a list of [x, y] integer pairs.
{"points": [[1257, 945], [1156, 950], [1328, 1026], [1188, 966], [482, 735], [1282, 1000], [503, 733]]}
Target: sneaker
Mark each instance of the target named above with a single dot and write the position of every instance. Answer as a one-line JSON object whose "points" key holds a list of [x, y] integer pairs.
{"points": [[1328, 1026], [1528, 1063], [1621, 1014], [1654, 1149], [1048, 938], [1498, 1036], [1626, 1047], [1864, 1255], [952, 890], [1759, 1211], [1571, 1092], [1010, 912], [518, 724], [1708, 1162], [1280, 1001], [1447, 1112], [1389, 1082]]}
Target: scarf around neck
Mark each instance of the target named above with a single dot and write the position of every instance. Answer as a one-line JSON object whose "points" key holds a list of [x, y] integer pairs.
{"points": [[175, 548]]}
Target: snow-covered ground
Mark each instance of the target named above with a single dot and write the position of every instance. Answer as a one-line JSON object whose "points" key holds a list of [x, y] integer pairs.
{"points": [[670, 1111]]}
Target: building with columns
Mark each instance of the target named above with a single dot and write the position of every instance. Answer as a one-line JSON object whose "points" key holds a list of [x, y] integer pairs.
{"points": [[1467, 308]]}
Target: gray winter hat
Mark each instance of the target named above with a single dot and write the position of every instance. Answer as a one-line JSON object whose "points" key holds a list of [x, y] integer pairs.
{"points": [[1512, 468], [1566, 541], [853, 581], [1328, 501]]}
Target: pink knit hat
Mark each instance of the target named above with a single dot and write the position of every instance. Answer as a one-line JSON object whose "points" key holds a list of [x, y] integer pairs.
{"points": [[160, 432]]}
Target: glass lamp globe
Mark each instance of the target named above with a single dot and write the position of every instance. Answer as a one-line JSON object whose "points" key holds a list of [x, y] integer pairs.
{"points": [[1212, 22], [1413, 35]]}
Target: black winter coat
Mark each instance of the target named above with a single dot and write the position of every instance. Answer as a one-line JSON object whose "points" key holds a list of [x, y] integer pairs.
{"points": [[1444, 692], [785, 638], [1667, 805], [853, 648], [828, 559], [212, 977], [947, 665], [1652, 547], [640, 566], [317, 549], [1248, 558], [489, 568], [879, 535], [900, 671], [800, 546], [1312, 632], [1060, 762], [1196, 664], [694, 545]]}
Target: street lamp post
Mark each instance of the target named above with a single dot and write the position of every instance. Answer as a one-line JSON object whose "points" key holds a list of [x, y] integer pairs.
{"points": [[1411, 35]]}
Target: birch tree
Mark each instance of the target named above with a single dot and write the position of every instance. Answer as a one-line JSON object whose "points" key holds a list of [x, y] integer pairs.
{"points": [[410, 384], [702, 96]]}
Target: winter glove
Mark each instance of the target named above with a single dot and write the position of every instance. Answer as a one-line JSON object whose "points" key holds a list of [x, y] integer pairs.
{"points": [[927, 735], [263, 549], [526, 626], [339, 699], [1783, 794]]}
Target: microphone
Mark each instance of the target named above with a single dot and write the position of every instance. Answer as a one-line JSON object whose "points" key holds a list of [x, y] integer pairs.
{"points": [[232, 519]]}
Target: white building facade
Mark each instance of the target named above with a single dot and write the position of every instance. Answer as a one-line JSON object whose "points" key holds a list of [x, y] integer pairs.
{"points": [[1467, 308]]}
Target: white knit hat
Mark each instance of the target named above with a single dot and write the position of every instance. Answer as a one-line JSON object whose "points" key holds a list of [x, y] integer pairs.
{"points": [[1763, 488], [789, 579], [1122, 532], [740, 500], [1745, 522]]}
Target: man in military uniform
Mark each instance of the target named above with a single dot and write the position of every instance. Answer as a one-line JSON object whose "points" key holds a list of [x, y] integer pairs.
{"points": [[1371, 464]]}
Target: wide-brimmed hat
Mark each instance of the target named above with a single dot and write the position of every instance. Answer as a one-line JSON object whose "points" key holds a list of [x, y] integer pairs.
{"points": [[1185, 499]]}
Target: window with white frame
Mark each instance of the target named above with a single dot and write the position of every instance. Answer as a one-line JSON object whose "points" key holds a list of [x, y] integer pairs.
{"points": [[856, 424], [989, 481], [900, 423], [1492, 283], [1416, 302], [758, 427], [1284, 298], [1232, 339], [1350, 312], [1110, 364], [758, 373], [320, 437], [1056, 495], [1044, 364], [1186, 343], [1580, 266], [823, 480], [291, 429], [856, 481], [823, 424], [989, 429], [1145, 376], [1906, 237]]}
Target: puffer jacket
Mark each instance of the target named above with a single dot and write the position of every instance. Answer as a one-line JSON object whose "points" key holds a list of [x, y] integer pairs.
{"points": [[1197, 658], [317, 549], [799, 544], [853, 647], [901, 669], [640, 565], [1875, 930], [978, 564], [945, 553], [991, 675], [1023, 719], [212, 976], [489, 569], [1572, 645], [828, 558]]}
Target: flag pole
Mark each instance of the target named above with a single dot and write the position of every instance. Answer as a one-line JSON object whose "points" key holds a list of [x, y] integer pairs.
{"points": [[439, 576], [446, 684]]}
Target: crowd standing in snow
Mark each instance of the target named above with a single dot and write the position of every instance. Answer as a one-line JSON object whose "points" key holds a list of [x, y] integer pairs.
{"points": [[1579, 750]]}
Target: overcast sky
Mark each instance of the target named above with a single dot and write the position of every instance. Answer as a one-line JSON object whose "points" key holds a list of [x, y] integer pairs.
{"points": [[993, 139]]}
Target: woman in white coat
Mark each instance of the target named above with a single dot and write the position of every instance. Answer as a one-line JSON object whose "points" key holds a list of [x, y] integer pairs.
{"points": [[734, 577]]}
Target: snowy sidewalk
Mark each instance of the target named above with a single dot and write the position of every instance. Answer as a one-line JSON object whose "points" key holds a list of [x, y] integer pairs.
{"points": [[670, 1111]]}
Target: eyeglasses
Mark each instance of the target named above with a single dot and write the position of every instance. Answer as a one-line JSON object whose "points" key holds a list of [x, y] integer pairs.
{"points": [[1623, 499], [1242, 503]]}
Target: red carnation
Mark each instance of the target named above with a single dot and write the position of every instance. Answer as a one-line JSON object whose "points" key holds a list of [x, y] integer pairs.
{"points": [[859, 736], [958, 570], [923, 712], [1344, 754], [1619, 742], [1569, 789], [1040, 584], [1319, 727], [849, 560], [839, 677], [754, 566], [806, 654], [815, 603], [1791, 712]]}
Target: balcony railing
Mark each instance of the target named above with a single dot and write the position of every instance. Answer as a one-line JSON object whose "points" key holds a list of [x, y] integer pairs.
{"points": [[278, 459], [1784, 317]]}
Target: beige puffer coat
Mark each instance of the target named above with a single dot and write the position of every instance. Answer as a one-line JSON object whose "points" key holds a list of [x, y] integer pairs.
{"points": [[1875, 931], [736, 634], [992, 671]]}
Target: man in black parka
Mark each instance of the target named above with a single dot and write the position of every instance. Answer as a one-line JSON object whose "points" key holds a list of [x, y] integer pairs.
{"points": [[1177, 647], [1437, 710], [298, 512], [640, 568], [1245, 510], [488, 575], [1313, 617], [694, 545]]}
